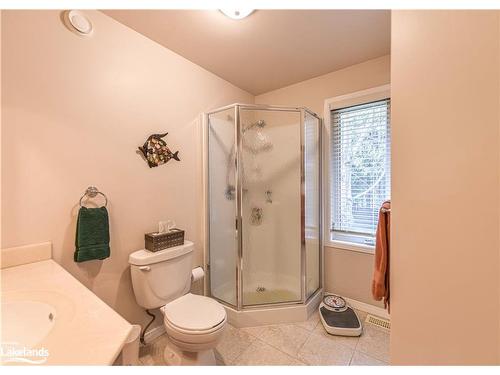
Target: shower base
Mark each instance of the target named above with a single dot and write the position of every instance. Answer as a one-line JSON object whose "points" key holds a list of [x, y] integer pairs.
{"points": [[269, 314], [268, 296]]}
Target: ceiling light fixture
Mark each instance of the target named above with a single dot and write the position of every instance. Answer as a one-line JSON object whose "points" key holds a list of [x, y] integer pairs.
{"points": [[237, 14]]}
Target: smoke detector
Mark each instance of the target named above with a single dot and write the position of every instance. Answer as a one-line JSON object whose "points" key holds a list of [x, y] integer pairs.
{"points": [[79, 22]]}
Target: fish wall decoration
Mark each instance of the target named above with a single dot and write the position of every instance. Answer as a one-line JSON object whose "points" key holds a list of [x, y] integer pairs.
{"points": [[156, 151]]}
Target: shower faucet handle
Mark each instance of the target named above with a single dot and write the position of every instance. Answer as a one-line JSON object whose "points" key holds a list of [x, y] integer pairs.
{"points": [[269, 196]]}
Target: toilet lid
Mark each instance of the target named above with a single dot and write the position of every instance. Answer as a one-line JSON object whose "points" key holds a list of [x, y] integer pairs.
{"points": [[193, 312]]}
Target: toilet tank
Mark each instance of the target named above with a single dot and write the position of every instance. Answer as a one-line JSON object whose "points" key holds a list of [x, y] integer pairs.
{"points": [[162, 276]]}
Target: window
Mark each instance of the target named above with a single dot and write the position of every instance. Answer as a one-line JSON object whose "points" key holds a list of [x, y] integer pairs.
{"points": [[359, 168]]}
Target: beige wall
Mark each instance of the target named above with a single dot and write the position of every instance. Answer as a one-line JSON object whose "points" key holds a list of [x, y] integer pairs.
{"points": [[346, 272], [74, 111], [498, 277], [349, 273], [0, 131], [445, 204]]}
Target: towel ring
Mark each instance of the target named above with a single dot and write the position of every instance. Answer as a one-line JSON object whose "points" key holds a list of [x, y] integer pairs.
{"points": [[92, 192]]}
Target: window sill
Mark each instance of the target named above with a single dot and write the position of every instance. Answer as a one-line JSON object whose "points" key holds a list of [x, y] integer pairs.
{"points": [[367, 249]]}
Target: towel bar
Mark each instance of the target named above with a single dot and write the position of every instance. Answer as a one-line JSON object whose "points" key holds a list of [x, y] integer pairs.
{"points": [[92, 192]]}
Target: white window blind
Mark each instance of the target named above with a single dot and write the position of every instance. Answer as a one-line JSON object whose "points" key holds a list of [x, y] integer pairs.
{"points": [[360, 169]]}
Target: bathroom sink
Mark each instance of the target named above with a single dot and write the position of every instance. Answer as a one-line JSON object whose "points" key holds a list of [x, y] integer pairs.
{"points": [[46, 312], [26, 323], [29, 317]]}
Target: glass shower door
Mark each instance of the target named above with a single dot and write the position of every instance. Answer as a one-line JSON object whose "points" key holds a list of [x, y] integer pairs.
{"points": [[223, 239], [271, 206]]}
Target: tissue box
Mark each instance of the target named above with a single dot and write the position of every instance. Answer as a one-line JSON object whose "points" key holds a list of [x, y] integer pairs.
{"points": [[158, 241]]}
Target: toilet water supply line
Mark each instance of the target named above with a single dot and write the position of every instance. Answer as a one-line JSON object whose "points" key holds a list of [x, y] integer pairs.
{"points": [[143, 342]]}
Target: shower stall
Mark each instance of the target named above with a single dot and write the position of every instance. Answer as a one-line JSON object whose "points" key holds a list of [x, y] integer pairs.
{"points": [[263, 219]]}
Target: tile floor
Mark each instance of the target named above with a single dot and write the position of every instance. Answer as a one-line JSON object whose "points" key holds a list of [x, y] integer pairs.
{"points": [[305, 343]]}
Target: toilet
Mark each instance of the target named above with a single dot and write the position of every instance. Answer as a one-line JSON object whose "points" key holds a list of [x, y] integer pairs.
{"points": [[194, 324]]}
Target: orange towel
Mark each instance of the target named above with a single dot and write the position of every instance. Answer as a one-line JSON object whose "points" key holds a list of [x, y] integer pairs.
{"points": [[380, 282]]}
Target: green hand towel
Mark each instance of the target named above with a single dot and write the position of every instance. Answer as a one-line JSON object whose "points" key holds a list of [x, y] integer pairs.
{"points": [[92, 234]]}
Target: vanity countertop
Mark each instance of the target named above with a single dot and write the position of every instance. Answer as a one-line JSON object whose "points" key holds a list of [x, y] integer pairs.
{"points": [[86, 331]]}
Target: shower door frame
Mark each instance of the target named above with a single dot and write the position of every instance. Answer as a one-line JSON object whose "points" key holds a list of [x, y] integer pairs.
{"points": [[239, 204]]}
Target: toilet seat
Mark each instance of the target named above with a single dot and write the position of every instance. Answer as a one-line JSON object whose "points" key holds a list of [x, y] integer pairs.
{"points": [[194, 314]]}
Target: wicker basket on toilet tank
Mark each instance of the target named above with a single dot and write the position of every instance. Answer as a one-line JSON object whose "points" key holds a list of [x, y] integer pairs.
{"points": [[155, 241]]}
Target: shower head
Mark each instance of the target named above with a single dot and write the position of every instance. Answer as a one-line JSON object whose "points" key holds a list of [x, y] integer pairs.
{"points": [[259, 124], [257, 142]]}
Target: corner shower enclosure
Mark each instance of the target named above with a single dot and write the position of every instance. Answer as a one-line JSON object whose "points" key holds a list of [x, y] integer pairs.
{"points": [[263, 222]]}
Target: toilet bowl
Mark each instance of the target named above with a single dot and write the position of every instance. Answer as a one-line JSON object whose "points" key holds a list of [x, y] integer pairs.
{"points": [[194, 324]]}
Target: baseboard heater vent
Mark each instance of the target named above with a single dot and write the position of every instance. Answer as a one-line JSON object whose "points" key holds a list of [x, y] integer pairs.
{"points": [[379, 322]]}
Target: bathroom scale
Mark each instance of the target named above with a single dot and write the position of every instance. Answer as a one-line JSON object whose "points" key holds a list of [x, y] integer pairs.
{"points": [[338, 318]]}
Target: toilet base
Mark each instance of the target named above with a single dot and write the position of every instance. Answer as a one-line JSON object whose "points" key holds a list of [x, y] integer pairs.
{"points": [[174, 356]]}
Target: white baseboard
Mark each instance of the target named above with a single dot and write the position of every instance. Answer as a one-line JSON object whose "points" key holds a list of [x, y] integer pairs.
{"points": [[154, 333], [374, 310]]}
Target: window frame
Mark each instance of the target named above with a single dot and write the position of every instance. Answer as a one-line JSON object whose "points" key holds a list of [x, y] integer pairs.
{"points": [[337, 102]]}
